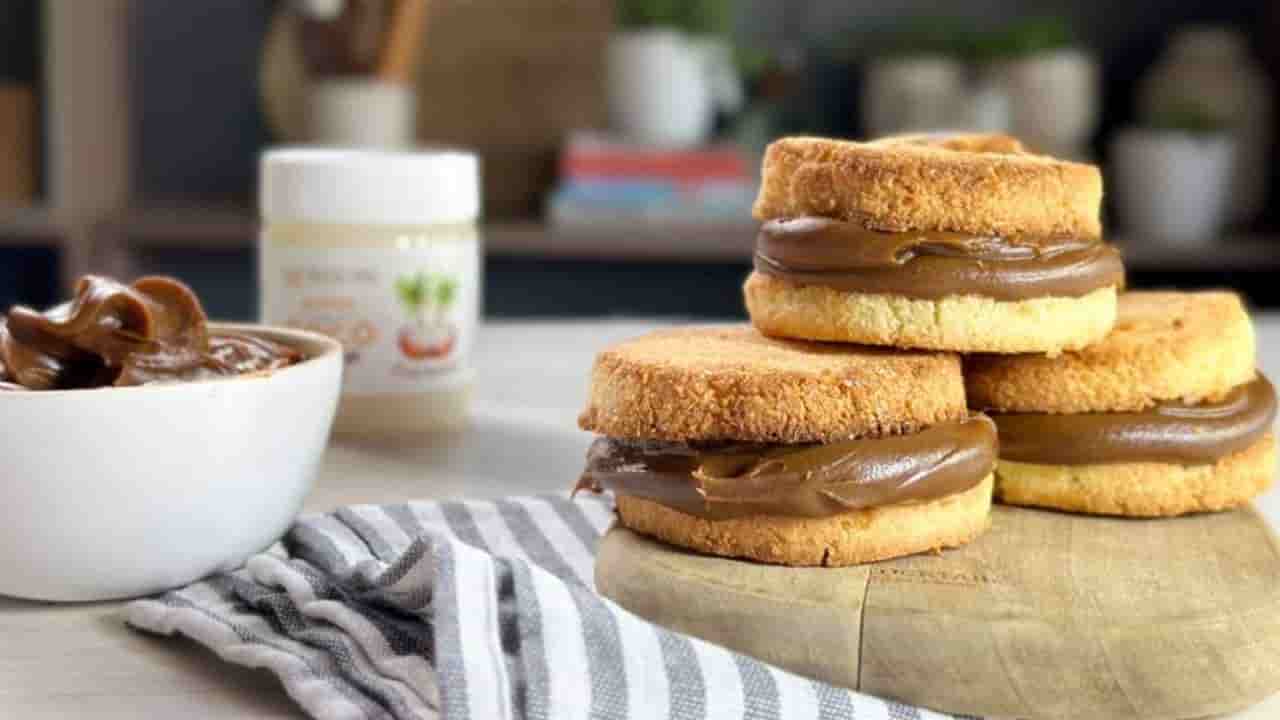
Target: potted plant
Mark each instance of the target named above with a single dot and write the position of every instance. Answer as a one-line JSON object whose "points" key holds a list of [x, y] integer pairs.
{"points": [[1212, 66], [1050, 82], [666, 69], [1171, 177], [915, 79]]}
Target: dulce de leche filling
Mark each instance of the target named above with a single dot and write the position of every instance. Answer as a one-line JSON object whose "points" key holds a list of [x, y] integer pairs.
{"points": [[1172, 432], [932, 265], [812, 480], [153, 331]]}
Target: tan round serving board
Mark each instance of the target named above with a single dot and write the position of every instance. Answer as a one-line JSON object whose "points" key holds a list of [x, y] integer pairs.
{"points": [[1048, 615]]}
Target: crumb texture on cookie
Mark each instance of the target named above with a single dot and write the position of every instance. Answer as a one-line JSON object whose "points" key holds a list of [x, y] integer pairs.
{"points": [[732, 383], [1141, 489], [1189, 346], [987, 184], [851, 538], [962, 323]]}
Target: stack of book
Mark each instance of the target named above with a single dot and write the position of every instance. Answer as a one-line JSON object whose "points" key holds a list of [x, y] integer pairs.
{"points": [[603, 180]]}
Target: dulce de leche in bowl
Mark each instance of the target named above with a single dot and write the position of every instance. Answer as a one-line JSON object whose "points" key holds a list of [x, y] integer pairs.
{"points": [[146, 447], [111, 334]]}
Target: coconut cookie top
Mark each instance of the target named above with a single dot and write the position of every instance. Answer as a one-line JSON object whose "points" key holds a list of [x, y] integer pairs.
{"points": [[981, 184], [732, 383], [1188, 346]]}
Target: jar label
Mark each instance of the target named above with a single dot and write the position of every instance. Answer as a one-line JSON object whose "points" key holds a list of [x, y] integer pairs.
{"points": [[405, 316]]}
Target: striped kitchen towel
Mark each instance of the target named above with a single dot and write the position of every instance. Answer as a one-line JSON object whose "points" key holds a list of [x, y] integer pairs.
{"points": [[472, 610]]}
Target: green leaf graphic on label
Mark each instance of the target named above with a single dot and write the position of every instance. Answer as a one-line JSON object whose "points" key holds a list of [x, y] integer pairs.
{"points": [[414, 291], [427, 299], [446, 290]]}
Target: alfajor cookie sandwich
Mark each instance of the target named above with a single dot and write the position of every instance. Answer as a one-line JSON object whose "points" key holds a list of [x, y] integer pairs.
{"points": [[1166, 416], [726, 442], [966, 243]]}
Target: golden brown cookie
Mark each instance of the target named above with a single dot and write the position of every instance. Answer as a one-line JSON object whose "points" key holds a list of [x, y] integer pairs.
{"points": [[850, 538], [732, 383], [1141, 489], [1187, 346], [962, 323], [982, 184]]}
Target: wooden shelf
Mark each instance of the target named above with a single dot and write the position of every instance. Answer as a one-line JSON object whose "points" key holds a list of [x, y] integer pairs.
{"points": [[1234, 253], [226, 228], [232, 228], [31, 226], [730, 242]]}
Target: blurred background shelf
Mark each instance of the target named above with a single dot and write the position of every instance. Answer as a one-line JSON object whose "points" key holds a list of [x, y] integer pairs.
{"points": [[23, 226], [1231, 253], [730, 242], [149, 116], [193, 228], [231, 228], [234, 228], [536, 269]]}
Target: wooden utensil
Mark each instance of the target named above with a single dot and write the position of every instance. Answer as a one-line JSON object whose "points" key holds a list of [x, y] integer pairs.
{"points": [[402, 41], [17, 145]]}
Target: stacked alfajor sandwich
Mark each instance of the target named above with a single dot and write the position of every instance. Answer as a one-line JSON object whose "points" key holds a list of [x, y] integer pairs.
{"points": [[801, 442], [963, 243], [725, 441], [1167, 415]]}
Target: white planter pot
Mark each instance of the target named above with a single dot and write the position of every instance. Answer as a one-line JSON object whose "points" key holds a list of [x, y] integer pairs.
{"points": [[1053, 100], [723, 83], [913, 94], [1171, 186], [1210, 68], [658, 88]]}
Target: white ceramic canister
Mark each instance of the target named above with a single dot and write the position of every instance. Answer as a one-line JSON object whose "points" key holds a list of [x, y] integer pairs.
{"points": [[380, 250]]}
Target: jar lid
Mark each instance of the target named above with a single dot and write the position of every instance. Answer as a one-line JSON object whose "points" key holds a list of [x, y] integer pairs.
{"points": [[369, 187]]}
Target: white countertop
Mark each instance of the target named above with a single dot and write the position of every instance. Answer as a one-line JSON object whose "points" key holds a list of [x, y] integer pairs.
{"points": [[68, 660]]}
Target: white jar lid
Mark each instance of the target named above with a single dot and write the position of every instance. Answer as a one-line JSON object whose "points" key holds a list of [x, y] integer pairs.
{"points": [[369, 187]]}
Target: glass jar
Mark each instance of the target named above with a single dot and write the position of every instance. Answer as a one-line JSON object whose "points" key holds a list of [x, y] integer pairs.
{"points": [[381, 251]]}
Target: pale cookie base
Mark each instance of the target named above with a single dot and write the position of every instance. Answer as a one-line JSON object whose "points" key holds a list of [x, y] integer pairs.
{"points": [[964, 323], [1140, 489], [850, 538]]}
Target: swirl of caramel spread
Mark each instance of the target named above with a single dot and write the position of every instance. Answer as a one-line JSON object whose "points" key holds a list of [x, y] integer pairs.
{"points": [[111, 334], [809, 480], [934, 264], [1171, 432]]}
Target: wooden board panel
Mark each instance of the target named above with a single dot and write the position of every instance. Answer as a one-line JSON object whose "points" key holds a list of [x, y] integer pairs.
{"points": [[1048, 615]]}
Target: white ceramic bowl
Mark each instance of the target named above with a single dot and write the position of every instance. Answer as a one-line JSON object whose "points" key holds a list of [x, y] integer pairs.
{"points": [[120, 492]]}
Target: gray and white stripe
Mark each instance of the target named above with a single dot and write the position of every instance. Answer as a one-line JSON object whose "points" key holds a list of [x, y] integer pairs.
{"points": [[473, 610]]}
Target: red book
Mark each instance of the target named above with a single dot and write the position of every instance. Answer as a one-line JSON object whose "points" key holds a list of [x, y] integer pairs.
{"points": [[592, 158]]}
